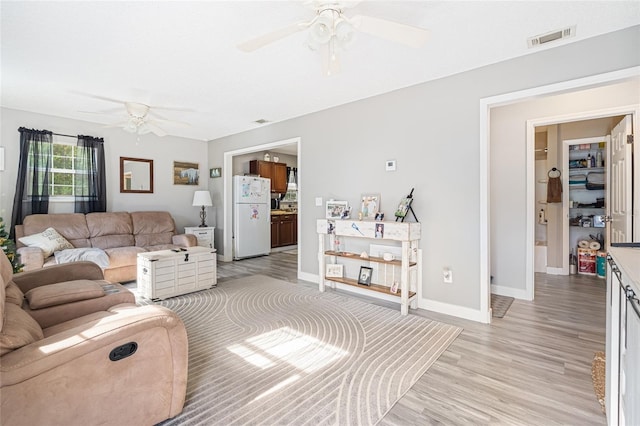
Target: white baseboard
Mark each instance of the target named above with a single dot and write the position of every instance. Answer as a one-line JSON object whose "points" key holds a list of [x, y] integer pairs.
{"points": [[518, 293], [455, 311], [305, 276], [555, 271]]}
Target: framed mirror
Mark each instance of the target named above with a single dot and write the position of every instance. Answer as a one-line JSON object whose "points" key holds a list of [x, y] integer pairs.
{"points": [[136, 175]]}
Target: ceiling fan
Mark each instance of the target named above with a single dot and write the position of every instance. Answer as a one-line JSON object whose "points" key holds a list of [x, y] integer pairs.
{"points": [[140, 119], [331, 30]]}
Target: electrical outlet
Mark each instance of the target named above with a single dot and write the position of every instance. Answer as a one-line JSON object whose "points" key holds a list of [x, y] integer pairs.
{"points": [[447, 275]]}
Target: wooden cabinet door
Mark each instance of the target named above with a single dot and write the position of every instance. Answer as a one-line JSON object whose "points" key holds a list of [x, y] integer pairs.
{"points": [[274, 232], [262, 168], [287, 230], [279, 178]]}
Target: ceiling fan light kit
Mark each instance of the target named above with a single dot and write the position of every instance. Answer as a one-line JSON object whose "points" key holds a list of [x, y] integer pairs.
{"points": [[331, 30]]}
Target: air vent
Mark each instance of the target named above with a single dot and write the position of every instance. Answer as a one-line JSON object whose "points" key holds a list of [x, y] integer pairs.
{"points": [[552, 36], [261, 121]]}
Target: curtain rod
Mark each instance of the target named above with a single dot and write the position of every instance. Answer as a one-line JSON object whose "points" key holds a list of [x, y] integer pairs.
{"points": [[67, 136]]}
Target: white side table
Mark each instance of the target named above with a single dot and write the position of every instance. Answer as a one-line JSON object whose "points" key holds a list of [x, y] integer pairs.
{"points": [[204, 235]]}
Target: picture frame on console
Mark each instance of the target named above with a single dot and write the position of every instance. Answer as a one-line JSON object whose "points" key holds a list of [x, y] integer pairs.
{"points": [[334, 270], [364, 278]]}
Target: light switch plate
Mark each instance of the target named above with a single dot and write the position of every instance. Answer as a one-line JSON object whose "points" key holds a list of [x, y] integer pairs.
{"points": [[318, 201]]}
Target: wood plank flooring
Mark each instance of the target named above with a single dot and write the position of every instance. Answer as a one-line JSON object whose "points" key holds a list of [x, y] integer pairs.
{"points": [[532, 367]]}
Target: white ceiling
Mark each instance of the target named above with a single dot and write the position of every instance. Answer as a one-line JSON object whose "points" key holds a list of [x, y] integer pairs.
{"points": [[183, 54]]}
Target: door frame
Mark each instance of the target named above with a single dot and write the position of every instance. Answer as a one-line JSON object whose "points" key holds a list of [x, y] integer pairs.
{"points": [[227, 192], [484, 161], [633, 110]]}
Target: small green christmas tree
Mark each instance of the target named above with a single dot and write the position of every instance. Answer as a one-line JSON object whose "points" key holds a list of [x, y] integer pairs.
{"points": [[9, 247]]}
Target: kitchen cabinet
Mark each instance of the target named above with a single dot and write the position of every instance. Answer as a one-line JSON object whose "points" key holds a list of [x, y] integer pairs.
{"points": [[622, 376], [284, 230], [277, 172], [392, 279]]}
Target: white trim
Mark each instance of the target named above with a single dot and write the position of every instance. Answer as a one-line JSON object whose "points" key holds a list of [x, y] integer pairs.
{"points": [[227, 192], [518, 293], [455, 310], [508, 98], [306, 276], [555, 271]]}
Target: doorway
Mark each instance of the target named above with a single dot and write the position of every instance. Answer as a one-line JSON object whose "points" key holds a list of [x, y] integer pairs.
{"points": [[520, 258], [292, 145]]}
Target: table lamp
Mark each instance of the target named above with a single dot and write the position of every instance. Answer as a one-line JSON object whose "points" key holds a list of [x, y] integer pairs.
{"points": [[202, 198]]}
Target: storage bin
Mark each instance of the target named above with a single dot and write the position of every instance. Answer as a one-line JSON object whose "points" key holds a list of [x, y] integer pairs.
{"points": [[587, 261]]}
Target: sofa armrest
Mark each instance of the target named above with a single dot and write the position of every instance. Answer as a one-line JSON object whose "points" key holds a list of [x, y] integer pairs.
{"points": [[56, 274], [75, 362], [31, 257], [185, 240]]}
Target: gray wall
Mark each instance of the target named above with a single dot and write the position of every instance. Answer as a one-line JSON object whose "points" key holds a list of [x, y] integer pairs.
{"points": [[432, 131], [163, 151]]}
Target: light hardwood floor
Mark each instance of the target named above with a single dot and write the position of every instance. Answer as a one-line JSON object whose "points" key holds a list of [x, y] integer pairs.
{"points": [[532, 367]]}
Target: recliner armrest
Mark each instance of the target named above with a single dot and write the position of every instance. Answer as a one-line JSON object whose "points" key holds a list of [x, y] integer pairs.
{"points": [[185, 240], [31, 257], [58, 273]]}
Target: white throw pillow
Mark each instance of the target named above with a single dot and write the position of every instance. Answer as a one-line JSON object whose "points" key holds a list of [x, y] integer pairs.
{"points": [[48, 241]]}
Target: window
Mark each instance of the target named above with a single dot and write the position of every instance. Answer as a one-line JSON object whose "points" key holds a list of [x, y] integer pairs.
{"points": [[68, 168]]}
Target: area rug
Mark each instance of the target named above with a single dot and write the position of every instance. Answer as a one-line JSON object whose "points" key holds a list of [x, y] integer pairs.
{"points": [[265, 351], [500, 305], [598, 376]]}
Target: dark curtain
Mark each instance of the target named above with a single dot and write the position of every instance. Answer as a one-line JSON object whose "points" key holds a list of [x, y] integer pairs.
{"points": [[90, 190], [32, 186]]}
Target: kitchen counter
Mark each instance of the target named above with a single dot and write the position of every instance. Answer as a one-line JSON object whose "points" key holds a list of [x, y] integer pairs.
{"points": [[282, 212]]}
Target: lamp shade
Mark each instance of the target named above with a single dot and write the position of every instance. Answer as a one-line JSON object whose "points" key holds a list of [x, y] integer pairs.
{"points": [[202, 198]]}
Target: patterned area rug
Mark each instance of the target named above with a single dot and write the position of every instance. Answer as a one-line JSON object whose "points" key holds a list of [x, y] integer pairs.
{"points": [[265, 351], [598, 376], [500, 305]]}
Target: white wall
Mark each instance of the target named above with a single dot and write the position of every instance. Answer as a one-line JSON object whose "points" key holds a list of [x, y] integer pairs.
{"points": [[117, 143], [432, 131]]}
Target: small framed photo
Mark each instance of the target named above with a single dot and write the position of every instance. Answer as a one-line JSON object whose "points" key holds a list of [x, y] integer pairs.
{"points": [[379, 216], [379, 230], [337, 210], [334, 270], [369, 206], [216, 172], [364, 277]]}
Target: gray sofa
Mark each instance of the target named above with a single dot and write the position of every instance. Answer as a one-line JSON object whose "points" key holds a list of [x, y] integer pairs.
{"points": [[121, 235]]}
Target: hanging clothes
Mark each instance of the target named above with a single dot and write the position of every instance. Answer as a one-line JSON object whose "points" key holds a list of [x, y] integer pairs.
{"points": [[554, 186]]}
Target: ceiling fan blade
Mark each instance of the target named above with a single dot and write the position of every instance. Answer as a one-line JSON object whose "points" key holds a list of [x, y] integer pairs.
{"points": [[155, 129], [394, 31], [159, 118], [110, 111], [263, 40]]}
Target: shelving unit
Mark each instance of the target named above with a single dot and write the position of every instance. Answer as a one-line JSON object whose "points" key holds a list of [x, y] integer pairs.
{"points": [[409, 264], [584, 202]]}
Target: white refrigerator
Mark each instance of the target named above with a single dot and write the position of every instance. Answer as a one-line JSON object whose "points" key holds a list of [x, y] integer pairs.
{"points": [[251, 216]]}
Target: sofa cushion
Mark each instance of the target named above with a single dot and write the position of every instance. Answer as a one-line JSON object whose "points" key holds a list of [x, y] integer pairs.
{"points": [[123, 256], [152, 228], [48, 241], [18, 330], [61, 293], [14, 294], [72, 226], [113, 229]]}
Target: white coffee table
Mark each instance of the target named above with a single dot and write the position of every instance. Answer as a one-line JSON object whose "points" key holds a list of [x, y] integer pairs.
{"points": [[168, 273]]}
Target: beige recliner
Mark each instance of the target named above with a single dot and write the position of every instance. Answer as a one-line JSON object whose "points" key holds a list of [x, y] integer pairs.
{"points": [[71, 352]]}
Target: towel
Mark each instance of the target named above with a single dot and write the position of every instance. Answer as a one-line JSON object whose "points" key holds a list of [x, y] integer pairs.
{"points": [[554, 190]]}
